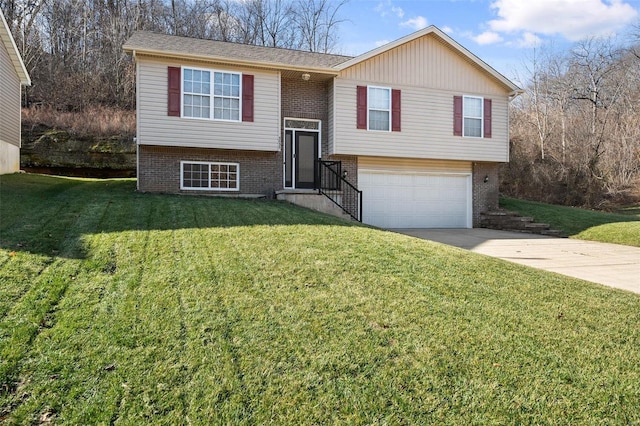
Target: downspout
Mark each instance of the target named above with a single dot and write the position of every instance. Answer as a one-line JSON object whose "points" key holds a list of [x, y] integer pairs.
{"points": [[511, 97]]}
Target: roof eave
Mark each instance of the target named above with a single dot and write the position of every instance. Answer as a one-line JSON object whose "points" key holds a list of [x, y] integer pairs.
{"points": [[229, 61], [429, 30], [14, 53]]}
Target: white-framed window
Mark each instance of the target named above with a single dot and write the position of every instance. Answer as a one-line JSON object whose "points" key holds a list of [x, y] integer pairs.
{"points": [[202, 175], [211, 94], [379, 108], [196, 88], [472, 113]]}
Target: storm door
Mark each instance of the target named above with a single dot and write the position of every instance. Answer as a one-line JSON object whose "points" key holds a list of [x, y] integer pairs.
{"points": [[301, 154]]}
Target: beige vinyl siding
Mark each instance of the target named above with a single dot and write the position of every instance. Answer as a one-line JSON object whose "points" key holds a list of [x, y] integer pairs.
{"points": [[156, 128], [9, 100], [426, 62], [427, 127], [412, 165], [429, 73]]}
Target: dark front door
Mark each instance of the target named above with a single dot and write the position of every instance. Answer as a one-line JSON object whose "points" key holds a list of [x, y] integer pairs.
{"points": [[306, 156]]}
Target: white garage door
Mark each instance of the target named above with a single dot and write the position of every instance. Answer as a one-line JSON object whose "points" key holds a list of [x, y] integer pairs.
{"points": [[394, 199]]}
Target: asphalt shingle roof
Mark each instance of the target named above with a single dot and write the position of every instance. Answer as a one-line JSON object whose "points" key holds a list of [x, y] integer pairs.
{"points": [[168, 44]]}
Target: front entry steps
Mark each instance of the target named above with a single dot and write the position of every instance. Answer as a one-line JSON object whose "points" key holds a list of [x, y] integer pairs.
{"points": [[311, 199], [506, 220]]}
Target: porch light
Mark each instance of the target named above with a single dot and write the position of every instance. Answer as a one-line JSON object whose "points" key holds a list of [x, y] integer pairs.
{"points": [[486, 178], [306, 76]]}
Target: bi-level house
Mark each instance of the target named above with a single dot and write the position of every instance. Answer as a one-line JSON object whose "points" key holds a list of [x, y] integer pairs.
{"points": [[13, 75], [414, 129]]}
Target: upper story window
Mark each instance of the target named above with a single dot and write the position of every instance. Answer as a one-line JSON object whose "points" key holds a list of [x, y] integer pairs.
{"points": [[197, 93], [472, 114], [211, 94], [379, 108]]}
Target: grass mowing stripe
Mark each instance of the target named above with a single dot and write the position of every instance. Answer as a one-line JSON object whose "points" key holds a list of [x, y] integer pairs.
{"points": [[33, 195], [76, 366], [233, 312], [112, 257], [43, 234], [34, 310], [157, 345]]}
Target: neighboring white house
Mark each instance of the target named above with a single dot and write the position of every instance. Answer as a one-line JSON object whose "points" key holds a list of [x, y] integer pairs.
{"points": [[419, 125], [13, 75]]}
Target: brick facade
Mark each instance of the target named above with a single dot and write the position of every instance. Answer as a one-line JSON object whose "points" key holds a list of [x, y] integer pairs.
{"points": [[159, 169], [260, 172], [485, 194], [310, 100]]}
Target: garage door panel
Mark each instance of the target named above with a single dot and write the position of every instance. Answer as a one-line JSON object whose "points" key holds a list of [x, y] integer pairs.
{"points": [[415, 200]]}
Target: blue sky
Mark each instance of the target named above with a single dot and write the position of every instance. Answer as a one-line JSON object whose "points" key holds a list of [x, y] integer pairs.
{"points": [[501, 32]]}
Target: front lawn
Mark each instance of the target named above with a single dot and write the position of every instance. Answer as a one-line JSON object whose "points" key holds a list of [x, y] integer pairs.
{"points": [[580, 223], [127, 308]]}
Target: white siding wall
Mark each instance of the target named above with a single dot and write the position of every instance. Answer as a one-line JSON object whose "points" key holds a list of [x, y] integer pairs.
{"points": [[156, 128], [9, 100], [9, 114], [9, 158], [429, 74]]}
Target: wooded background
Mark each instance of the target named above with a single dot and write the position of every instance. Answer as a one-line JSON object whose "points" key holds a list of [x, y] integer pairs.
{"points": [[575, 132], [73, 48]]}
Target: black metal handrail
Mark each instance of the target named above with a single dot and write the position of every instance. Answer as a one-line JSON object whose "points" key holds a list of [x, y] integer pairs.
{"points": [[333, 185]]}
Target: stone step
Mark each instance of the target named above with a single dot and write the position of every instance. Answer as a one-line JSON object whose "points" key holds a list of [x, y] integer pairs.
{"points": [[511, 221], [499, 213], [505, 222], [541, 226]]}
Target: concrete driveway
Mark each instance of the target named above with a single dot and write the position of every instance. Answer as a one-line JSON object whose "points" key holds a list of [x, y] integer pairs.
{"points": [[608, 264]]}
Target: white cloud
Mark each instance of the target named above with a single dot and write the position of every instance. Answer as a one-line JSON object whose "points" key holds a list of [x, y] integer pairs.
{"points": [[398, 11], [381, 8], [417, 23], [382, 42], [529, 40], [447, 29], [573, 19], [487, 37], [386, 7]]}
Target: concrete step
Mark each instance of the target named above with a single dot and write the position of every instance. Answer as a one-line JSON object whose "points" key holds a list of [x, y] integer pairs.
{"points": [[311, 199]]}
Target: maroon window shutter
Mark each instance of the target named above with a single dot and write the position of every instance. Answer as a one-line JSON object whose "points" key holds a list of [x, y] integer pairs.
{"points": [[487, 118], [361, 122], [457, 116], [395, 110], [174, 92], [247, 97]]}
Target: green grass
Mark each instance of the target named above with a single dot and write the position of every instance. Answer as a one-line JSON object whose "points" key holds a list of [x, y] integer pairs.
{"points": [[126, 308], [620, 228]]}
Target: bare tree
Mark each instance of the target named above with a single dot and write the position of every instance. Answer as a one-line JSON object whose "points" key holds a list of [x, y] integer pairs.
{"points": [[581, 113], [316, 21]]}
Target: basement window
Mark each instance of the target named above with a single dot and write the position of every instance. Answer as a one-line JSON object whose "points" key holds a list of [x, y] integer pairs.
{"points": [[201, 175]]}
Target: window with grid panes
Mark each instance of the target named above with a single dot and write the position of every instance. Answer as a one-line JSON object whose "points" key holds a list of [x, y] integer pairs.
{"points": [[211, 94], [211, 176]]}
